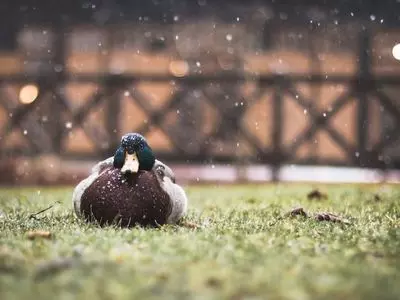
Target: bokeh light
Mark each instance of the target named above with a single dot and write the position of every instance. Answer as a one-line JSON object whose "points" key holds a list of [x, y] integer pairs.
{"points": [[396, 51], [28, 93], [179, 68]]}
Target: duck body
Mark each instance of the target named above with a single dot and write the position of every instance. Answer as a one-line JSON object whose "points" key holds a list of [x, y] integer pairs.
{"points": [[125, 200], [130, 188], [145, 198]]}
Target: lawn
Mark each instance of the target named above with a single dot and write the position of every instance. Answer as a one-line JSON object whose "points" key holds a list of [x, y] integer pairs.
{"points": [[236, 243]]}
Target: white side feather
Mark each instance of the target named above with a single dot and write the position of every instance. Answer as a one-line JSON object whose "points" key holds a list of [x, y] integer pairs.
{"points": [[177, 195], [178, 200]]}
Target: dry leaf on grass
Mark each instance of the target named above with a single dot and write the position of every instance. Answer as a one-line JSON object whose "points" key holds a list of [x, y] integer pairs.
{"points": [[321, 216], [39, 234], [190, 225], [325, 216]]}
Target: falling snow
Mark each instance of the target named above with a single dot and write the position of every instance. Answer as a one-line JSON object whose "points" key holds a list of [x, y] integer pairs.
{"points": [[58, 68], [294, 36]]}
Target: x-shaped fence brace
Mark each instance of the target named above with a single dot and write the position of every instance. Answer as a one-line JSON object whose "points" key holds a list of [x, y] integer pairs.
{"points": [[17, 115], [319, 120], [81, 114], [262, 153], [156, 118], [77, 118]]}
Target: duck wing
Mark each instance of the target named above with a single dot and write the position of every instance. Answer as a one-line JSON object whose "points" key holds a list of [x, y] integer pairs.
{"points": [[167, 171]]}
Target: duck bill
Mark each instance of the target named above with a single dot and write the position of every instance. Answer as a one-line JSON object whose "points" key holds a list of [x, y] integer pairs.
{"points": [[131, 164]]}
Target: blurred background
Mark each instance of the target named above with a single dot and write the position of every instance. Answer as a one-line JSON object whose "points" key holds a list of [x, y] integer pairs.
{"points": [[223, 90]]}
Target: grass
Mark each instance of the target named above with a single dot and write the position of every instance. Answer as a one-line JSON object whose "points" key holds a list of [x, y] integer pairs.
{"points": [[244, 248]]}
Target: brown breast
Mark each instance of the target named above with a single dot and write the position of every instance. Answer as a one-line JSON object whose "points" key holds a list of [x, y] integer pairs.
{"points": [[125, 199]]}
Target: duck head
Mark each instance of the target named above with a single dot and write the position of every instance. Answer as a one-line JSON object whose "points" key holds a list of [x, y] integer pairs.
{"points": [[134, 154]]}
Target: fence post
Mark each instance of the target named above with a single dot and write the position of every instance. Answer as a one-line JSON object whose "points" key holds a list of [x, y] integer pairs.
{"points": [[364, 76], [58, 83], [113, 106], [277, 111]]}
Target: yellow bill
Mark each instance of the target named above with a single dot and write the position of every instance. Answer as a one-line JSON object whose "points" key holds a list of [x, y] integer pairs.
{"points": [[131, 164]]}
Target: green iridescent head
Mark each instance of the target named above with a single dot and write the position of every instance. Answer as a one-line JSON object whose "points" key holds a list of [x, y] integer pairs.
{"points": [[134, 154]]}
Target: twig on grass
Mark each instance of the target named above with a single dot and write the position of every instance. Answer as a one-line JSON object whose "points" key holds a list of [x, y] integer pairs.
{"points": [[33, 216]]}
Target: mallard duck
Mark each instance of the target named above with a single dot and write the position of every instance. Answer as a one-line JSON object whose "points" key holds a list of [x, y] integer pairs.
{"points": [[131, 187]]}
